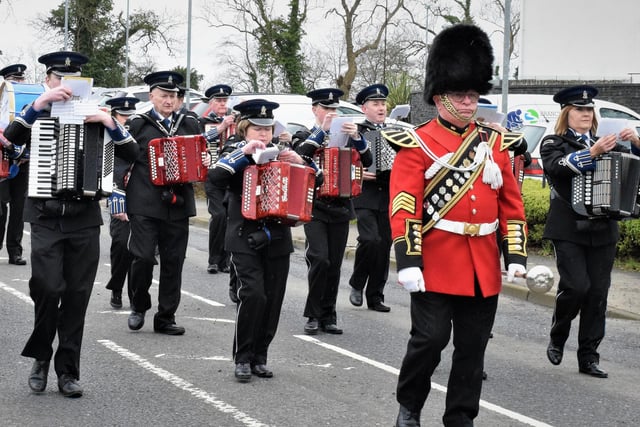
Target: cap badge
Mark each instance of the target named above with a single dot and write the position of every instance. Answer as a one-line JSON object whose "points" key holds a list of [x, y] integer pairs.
{"points": [[263, 111], [378, 91], [222, 91], [67, 62], [585, 95], [330, 96], [126, 104], [170, 79]]}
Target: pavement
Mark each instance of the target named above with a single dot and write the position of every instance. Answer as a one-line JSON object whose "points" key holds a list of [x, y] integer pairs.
{"points": [[624, 294]]}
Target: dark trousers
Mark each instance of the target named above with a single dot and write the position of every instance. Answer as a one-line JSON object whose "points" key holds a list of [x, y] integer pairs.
{"points": [[371, 264], [585, 277], [63, 268], [324, 251], [120, 256], [171, 238], [261, 284], [217, 227], [433, 316], [12, 196]]}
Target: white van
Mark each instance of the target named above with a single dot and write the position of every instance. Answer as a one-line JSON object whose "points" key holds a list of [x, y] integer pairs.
{"points": [[536, 115]]}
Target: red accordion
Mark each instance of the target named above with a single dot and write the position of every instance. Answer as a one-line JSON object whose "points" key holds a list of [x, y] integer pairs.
{"points": [[5, 164], [177, 159], [342, 171], [279, 191]]}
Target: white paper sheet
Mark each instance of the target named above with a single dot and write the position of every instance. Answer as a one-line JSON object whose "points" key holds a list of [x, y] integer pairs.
{"points": [[263, 156], [74, 110], [611, 126], [336, 137]]}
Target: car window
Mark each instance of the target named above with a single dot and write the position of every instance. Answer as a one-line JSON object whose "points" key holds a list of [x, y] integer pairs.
{"points": [[610, 113], [533, 135]]}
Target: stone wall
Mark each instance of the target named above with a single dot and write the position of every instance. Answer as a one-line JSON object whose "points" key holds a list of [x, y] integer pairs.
{"points": [[627, 94]]}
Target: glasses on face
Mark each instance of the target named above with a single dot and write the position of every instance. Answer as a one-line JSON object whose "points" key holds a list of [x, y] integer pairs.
{"points": [[460, 96]]}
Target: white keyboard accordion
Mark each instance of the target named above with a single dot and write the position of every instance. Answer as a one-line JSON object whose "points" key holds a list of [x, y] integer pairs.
{"points": [[70, 161]]}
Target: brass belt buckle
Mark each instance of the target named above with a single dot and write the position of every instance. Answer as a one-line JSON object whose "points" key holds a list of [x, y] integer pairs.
{"points": [[471, 229]]}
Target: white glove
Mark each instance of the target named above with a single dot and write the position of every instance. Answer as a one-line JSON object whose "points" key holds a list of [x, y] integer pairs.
{"points": [[513, 269], [411, 279]]}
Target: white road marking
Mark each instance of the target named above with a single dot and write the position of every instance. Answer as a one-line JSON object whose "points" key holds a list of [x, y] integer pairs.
{"points": [[198, 297], [21, 295], [182, 384], [483, 403]]}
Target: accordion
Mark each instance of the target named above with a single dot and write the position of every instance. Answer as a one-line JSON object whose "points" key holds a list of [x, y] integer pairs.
{"points": [[342, 171], [177, 159], [611, 190], [278, 191], [70, 161], [5, 163], [383, 154]]}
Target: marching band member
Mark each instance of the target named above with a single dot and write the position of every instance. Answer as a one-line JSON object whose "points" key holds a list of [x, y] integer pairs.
{"points": [[259, 250], [215, 125], [65, 242], [121, 109], [371, 263], [584, 247], [158, 215], [327, 232], [13, 190], [451, 188]]}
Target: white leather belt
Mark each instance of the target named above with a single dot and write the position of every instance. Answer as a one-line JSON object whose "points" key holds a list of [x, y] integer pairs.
{"points": [[466, 228]]}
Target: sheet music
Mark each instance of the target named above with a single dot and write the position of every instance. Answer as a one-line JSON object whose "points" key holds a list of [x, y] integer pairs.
{"points": [[74, 110], [608, 126], [265, 155], [336, 137], [488, 113], [278, 128]]}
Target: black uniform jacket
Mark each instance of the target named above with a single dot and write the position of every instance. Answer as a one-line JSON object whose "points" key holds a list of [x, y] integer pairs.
{"points": [[68, 215], [563, 223], [375, 194], [143, 197], [240, 229]]}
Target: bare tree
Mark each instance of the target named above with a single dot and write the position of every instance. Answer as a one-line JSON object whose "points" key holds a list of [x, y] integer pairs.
{"points": [[364, 28], [274, 40], [493, 12]]}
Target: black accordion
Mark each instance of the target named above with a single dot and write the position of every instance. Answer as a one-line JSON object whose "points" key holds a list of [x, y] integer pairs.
{"points": [[383, 154], [611, 190], [70, 161]]}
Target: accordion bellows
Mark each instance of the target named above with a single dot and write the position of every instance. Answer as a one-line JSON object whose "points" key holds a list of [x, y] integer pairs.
{"points": [[278, 191], [177, 159]]}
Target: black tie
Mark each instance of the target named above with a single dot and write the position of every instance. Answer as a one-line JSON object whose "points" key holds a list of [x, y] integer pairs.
{"points": [[167, 124]]}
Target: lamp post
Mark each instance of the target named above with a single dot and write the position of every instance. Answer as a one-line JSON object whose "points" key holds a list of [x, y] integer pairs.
{"points": [[126, 50], [506, 56], [66, 24], [187, 94]]}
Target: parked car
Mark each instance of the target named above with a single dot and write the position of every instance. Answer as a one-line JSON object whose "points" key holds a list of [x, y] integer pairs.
{"points": [[294, 111]]}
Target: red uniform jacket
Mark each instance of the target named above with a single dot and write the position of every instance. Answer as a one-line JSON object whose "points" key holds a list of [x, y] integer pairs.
{"points": [[450, 261]]}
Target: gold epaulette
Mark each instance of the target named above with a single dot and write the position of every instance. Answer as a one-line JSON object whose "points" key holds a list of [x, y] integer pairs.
{"points": [[400, 138]]}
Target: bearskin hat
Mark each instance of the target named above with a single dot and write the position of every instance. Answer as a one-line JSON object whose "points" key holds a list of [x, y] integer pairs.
{"points": [[460, 59]]}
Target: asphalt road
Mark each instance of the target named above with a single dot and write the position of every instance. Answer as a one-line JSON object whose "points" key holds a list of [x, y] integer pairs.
{"points": [[142, 378]]}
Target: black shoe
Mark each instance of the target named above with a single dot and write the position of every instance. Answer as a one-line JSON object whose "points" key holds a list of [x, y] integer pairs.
{"points": [[38, 375], [484, 375], [225, 269], [554, 353], [379, 306], [69, 386], [116, 299], [243, 372], [311, 327], [331, 328], [406, 418], [171, 329], [594, 370], [136, 320], [261, 371], [213, 269], [355, 297], [18, 260]]}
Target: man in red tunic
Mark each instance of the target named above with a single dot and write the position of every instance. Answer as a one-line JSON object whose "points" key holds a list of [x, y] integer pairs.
{"points": [[452, 188]]}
